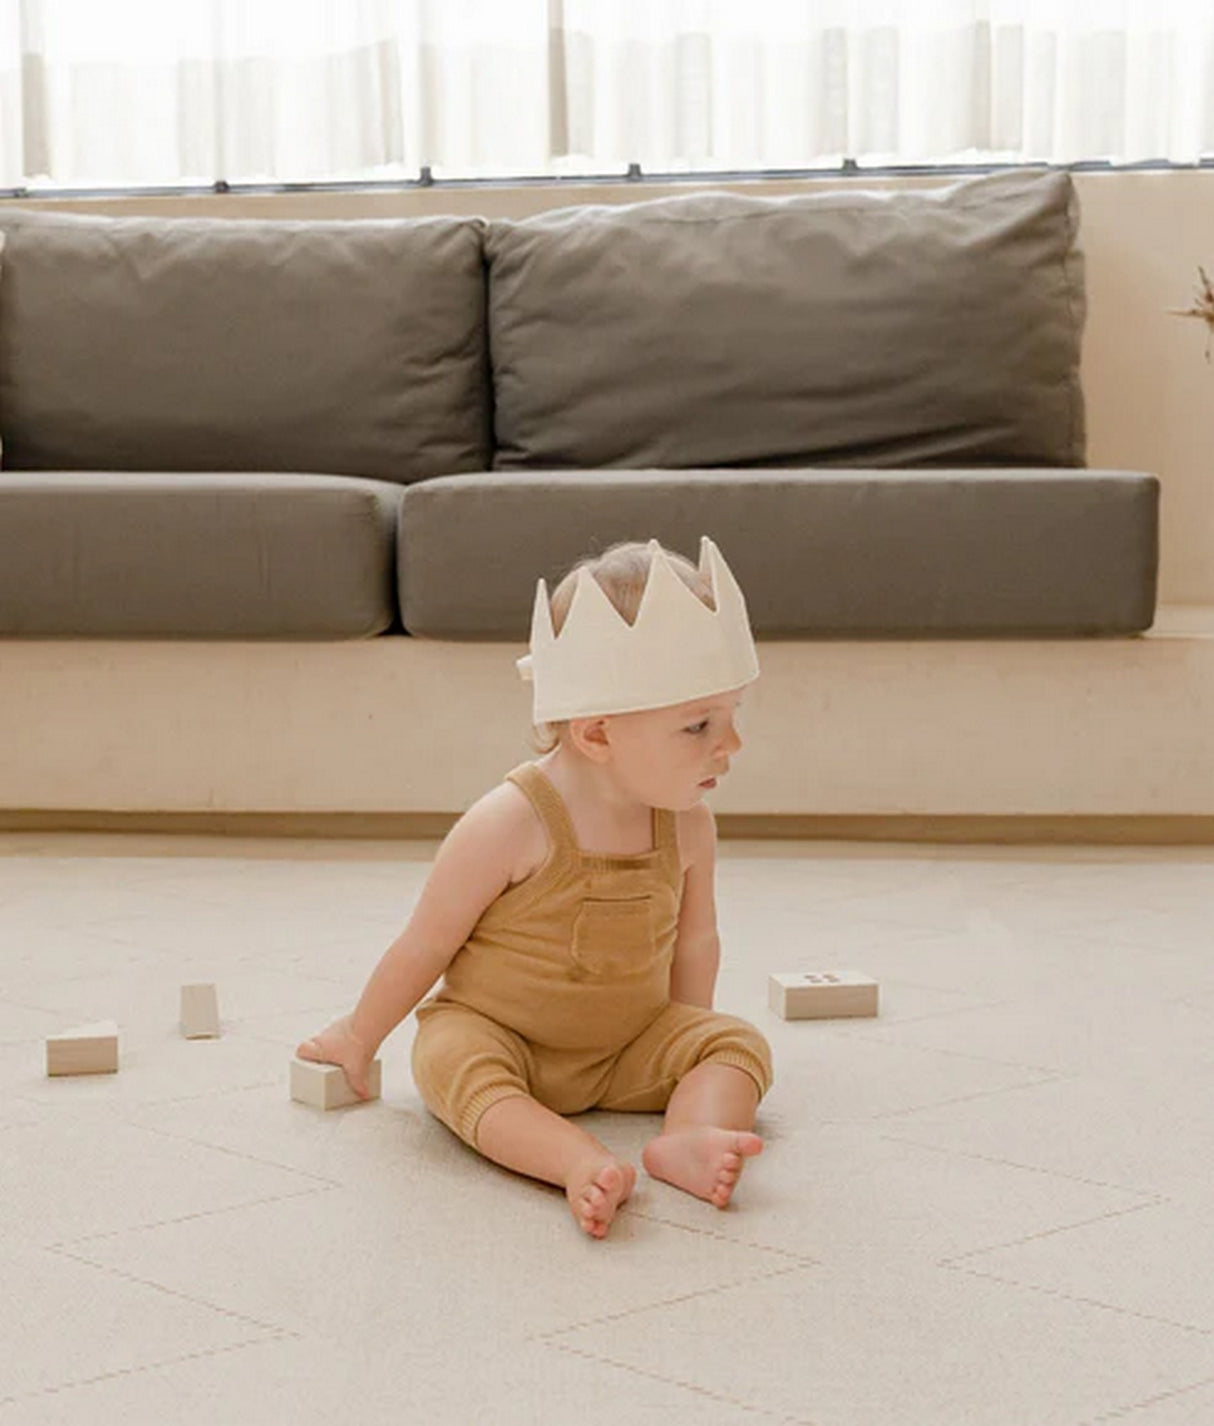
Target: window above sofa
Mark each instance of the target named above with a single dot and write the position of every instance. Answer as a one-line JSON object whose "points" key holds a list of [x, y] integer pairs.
{"points": [[311, 91]]}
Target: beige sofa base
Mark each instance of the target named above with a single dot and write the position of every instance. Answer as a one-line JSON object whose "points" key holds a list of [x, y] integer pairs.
{"points": [[1119, 728], [249, 827]]}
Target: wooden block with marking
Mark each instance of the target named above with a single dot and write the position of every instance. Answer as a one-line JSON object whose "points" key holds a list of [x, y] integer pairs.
{"points": [[822, 995], [89, 1049], [199, 1012], [325, 1086]]}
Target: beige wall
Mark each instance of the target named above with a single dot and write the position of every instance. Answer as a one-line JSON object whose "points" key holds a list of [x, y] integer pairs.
{"points": [[1150, 392]]}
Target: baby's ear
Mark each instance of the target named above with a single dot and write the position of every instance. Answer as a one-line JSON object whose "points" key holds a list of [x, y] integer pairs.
{"points": [[590, 737]]}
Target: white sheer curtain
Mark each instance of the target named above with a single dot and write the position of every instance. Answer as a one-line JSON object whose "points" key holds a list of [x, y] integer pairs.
{"points": [[98, 92], [129, 92], [773, 83]]}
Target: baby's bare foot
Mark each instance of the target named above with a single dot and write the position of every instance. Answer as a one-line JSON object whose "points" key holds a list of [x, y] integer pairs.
{"points": [[596, 1190], [702, 1160]]}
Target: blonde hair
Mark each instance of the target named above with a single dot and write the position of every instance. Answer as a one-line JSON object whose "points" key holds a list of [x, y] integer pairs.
{"points": [[622, 572]]}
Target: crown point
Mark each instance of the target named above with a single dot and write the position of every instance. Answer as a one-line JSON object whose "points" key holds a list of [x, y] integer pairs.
{"points": [[590, 612], [541, 615]]}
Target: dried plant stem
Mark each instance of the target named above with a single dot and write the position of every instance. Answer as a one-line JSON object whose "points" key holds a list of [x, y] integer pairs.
{"points": [[1203, 307]]}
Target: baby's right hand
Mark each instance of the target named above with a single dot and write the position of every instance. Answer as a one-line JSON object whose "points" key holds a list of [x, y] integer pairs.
{"points": [[338, 1045]]}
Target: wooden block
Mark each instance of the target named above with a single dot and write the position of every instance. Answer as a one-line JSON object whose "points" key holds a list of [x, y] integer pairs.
{"points": [[822, 995], [89, 1049], [199, 1012], [325, 1087]]}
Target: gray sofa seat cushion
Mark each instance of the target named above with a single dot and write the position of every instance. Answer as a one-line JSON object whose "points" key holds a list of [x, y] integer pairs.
{"points": [[934, 327], [818, 553], [239, 345], [124, 555]]}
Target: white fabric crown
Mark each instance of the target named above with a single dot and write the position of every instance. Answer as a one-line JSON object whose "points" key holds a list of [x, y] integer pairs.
{"points": [[677, 650]]}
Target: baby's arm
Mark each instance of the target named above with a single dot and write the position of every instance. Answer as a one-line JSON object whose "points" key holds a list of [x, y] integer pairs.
{"points": [[473, 866], [697, 950]]}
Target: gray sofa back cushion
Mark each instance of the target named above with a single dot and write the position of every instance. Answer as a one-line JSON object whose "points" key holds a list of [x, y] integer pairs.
{"points": [[353, 348], [936, 327]]}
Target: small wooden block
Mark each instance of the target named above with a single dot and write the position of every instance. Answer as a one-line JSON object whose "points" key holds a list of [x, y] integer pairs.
{"points": [[89, 1049], [822, 995], [325, 1087], [199, 1012]]}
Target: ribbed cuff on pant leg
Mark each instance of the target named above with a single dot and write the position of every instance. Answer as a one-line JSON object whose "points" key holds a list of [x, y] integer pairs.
{"points": [[743, 1060], [482, 1100]]}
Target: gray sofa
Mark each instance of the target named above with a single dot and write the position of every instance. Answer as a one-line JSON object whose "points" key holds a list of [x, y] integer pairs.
{"points": [[239, 429]]}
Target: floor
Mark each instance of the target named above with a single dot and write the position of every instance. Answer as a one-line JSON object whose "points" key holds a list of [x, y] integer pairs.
{"points": [[990, 1205]]}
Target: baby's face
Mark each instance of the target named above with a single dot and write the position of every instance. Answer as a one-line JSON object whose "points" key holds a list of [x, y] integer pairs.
{"points": [[670, 757]]}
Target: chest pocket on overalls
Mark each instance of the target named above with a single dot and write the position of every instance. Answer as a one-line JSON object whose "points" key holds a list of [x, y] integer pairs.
{"points": [[613, 938]]}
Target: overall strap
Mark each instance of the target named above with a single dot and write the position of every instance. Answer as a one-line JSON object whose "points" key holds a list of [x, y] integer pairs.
{"points": [[666, 843], [549, 808]]}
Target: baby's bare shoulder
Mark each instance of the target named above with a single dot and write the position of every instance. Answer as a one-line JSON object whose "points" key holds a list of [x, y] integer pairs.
{"points": [[697, 833], [505, 816]]}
